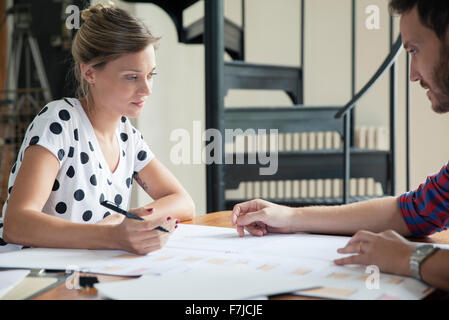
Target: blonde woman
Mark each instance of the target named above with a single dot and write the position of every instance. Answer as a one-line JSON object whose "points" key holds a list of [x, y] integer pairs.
{"points": [[80, 152]]}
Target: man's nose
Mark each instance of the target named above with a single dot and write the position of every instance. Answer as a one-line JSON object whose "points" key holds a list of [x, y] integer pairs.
{"points": [[414, 74]]}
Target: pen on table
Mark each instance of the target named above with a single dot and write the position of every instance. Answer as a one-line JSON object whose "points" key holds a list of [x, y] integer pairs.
{"points": [[130, 215]]}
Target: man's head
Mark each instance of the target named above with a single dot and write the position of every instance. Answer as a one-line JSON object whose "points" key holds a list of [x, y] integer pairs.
{"points": [[424, 30]]}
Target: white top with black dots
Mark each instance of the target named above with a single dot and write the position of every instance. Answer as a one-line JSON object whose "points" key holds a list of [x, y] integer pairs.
{"points": [[84, 178]]}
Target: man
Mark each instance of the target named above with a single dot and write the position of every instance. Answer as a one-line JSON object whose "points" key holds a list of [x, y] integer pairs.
{"points": [[424, 25]]}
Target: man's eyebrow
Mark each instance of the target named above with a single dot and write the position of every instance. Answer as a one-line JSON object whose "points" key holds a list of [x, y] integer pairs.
{"points": [[409, 44]]}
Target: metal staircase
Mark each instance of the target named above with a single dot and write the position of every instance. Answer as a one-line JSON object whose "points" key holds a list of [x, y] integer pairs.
{"points": [[219, 35]]}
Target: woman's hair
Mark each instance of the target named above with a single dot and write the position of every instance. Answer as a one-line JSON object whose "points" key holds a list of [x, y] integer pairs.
{"points": [[434, 14], [106, 34]]}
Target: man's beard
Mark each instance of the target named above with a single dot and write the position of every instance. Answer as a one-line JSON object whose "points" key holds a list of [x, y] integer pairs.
{"points": [[441, 79]]}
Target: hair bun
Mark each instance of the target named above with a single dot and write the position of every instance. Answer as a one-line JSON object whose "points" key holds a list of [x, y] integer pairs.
{"points": [[96, 9]]}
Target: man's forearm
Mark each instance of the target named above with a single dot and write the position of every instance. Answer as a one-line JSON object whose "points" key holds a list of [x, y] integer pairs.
{"points": [[375, 215], [435, 271]]}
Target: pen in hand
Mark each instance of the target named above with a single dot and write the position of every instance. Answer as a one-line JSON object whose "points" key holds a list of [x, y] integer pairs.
{"points": [[128, 214]]}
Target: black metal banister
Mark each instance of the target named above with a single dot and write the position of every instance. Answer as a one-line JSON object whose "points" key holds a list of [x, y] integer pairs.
{"points": [[407, 123], [394, 70], [389, 60]]}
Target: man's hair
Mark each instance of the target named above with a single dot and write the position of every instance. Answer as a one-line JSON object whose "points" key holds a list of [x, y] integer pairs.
{"points": [[434, 14]]}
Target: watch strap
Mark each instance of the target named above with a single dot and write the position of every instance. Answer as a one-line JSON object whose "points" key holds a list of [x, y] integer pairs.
{"points": [[419, 255]]}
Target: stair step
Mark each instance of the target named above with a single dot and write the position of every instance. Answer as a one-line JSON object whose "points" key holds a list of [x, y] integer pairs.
{"points": [[174, 9], [241, 75], [166, 5], [297, 118], [302, 202], [233, 36], [310, 164]]}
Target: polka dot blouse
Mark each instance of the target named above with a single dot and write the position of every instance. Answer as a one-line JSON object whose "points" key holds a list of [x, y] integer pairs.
{"points": [[84, 179]]}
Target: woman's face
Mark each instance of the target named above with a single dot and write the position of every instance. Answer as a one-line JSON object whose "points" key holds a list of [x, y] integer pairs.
{"points": [[122, 85]]}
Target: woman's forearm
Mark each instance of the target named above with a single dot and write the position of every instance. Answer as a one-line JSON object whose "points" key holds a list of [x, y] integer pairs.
{"points": [[375, 215], [179, 206], [37, 229]]}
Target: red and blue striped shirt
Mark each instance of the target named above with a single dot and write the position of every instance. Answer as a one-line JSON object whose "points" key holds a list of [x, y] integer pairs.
{"points": [[426, 209]]}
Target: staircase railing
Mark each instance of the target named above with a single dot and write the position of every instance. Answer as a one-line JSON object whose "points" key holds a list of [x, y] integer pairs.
{"points": [[388, 64]]}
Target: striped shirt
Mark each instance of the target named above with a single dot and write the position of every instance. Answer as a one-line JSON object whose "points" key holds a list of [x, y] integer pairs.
{"points": [[426, 209]]}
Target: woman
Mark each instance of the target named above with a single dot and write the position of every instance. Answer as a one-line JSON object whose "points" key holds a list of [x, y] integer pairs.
{"points": [[80, 152]]}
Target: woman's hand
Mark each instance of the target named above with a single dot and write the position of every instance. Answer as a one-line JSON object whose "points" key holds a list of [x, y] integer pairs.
{"points": [[260, 217], [389, 251], [112, 219], [139, 236]]}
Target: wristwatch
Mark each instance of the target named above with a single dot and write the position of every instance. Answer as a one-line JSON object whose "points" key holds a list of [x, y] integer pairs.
{"points": [[419, 254]]}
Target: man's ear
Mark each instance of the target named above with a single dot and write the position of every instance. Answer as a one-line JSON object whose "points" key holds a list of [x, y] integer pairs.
{"points": [[88, 73]]}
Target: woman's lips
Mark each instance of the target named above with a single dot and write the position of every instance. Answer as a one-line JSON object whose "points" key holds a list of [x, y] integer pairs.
{"points": [[139, 104]]}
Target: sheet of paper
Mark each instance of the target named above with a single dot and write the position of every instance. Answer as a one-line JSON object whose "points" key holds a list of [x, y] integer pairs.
{"points": [[10, 278], [211, 283], [301, 257], [360, 283], [185, 247]]}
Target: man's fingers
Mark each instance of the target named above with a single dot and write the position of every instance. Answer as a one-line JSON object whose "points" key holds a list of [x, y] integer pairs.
{"points": [[243, 208], [255, 230], [251, 217], [362, 236], [355, 247], [241, 231], [356, 259], [351, 248], [235, 213]]}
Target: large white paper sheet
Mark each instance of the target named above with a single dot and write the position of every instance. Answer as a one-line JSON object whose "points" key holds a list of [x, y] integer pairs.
{"points": [[300, 257], [189, 245], [211, 283]]}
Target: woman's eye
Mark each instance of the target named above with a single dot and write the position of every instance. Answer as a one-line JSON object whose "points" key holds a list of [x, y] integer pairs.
{"points": [[131, 77], [151, 75]]}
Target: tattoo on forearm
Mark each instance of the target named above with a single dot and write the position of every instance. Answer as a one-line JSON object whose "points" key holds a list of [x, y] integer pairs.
{"points": [[140, 181]]}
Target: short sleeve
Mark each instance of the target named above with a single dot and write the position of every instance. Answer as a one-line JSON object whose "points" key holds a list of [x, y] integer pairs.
{"points": [[143, 154], [426, 209], [50, 129]]}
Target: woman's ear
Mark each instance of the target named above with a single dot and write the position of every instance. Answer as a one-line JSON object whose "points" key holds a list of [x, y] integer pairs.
{"points": [[88, 73]]}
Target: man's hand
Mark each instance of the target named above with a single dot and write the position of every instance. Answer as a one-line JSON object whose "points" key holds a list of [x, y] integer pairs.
{"points": [[260, 217], [387, 250]]}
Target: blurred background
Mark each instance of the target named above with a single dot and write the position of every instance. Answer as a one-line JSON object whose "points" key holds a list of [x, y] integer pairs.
{"points": [[307, 58]]}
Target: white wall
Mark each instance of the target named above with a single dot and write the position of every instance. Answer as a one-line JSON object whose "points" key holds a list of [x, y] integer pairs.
{"points": [[272, 36], [177, 100]]}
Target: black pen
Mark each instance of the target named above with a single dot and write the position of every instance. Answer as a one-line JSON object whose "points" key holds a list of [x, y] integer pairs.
{"points": [[130, 215]]}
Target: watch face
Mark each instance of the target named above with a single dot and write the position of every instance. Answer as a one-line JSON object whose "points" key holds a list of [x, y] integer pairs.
{"points": [[424, 249]]}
